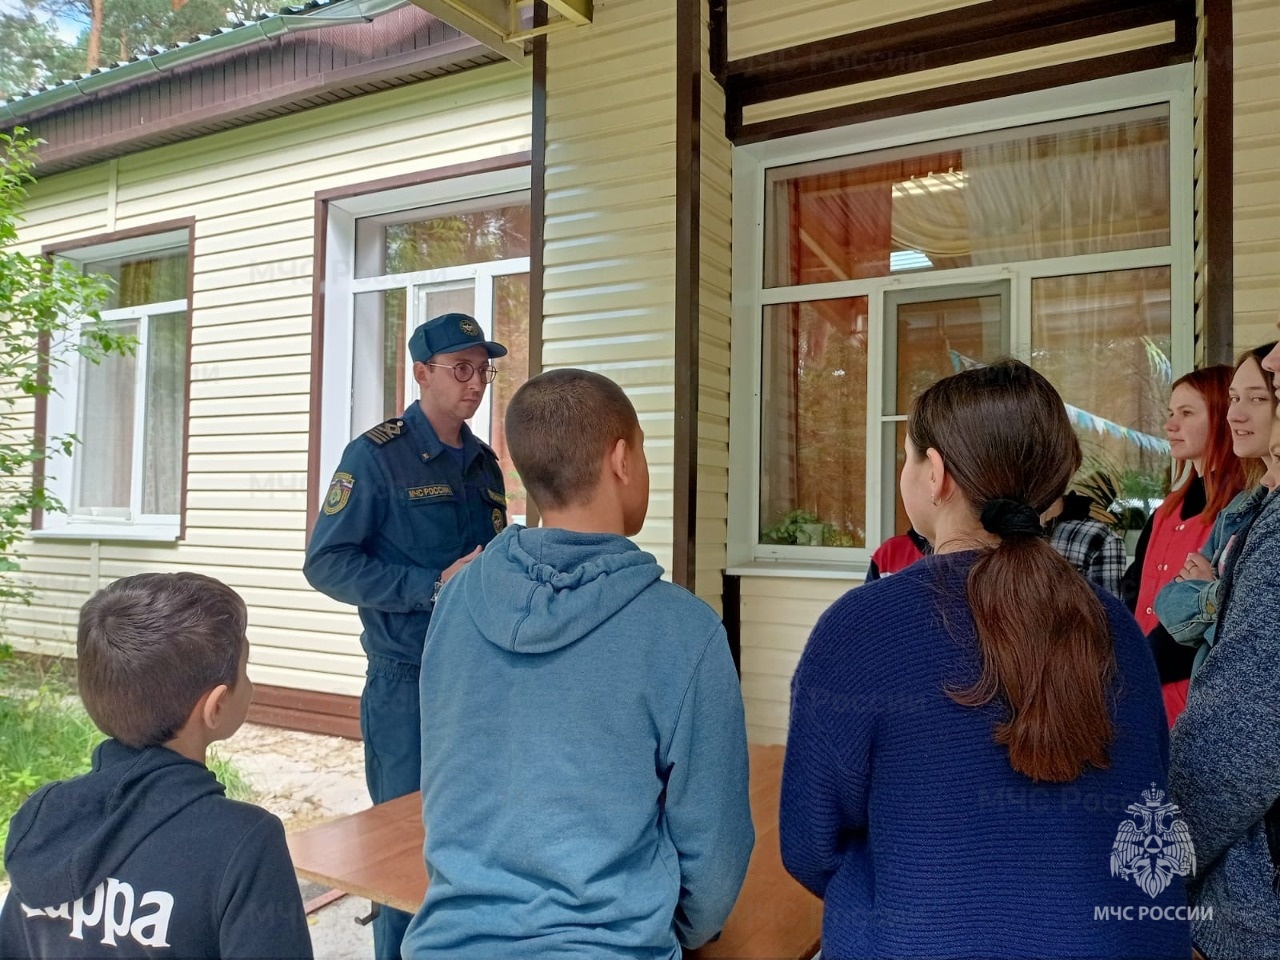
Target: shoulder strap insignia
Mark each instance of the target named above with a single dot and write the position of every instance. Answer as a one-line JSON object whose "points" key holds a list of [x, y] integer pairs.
{"points": [[386, 431]]}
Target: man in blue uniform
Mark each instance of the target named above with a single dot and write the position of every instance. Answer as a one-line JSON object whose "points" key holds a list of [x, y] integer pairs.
{"points": [[413, 501]]}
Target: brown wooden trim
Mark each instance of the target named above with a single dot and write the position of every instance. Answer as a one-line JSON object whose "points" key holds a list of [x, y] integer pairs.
{"points": [[991, 29], [318, 281], [507, 161], [186, 382], [973, 91], [1219, 174], [319, 253], [718, 39], [63, 247], [687, 253], [537, 213], [329, 713]]}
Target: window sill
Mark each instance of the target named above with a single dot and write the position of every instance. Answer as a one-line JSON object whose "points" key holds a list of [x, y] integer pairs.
{"points": [[801, 569], [152, 532]]}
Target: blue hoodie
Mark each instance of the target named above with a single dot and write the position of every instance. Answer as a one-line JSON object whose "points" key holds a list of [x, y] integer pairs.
{"points": [[584, 758]]}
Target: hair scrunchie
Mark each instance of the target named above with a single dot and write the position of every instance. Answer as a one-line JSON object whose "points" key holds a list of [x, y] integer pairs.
{"points": [[1011, 518]]}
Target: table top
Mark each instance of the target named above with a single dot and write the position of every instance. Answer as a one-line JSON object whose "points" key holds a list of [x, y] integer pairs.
{"points": [[377, 854]]}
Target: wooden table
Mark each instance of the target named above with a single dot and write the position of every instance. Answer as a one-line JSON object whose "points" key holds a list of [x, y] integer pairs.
{"points": [[377, 854]]}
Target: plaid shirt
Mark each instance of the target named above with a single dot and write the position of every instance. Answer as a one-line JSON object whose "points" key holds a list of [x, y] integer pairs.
{"points": [[1093, 549]]}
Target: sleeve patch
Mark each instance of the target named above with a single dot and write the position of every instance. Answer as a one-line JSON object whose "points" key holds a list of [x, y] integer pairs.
{"points": [[339, 493]]}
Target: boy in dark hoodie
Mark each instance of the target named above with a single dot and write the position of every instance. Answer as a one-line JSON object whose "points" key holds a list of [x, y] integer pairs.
{"points": [[584, 754], [144, 856]]}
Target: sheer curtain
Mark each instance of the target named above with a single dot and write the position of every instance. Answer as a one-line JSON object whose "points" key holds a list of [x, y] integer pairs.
{"points": [[104, 426], [162, 444]]}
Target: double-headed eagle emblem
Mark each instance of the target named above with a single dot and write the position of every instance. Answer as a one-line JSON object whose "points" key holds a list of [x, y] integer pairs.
{"points": [[1153, 847]]}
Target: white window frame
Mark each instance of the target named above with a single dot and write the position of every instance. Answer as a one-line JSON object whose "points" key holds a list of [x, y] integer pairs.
{"points": [[1168, 85], [337, 398], [62, 409]]}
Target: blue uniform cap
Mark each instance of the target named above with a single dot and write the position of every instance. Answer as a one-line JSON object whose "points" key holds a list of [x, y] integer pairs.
{"points": [[447, 334]]}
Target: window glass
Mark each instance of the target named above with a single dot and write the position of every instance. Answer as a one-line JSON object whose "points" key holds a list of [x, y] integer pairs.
{"points": [[814, 424], [1092, 185], [1104, 339], [939, 337], [104, 425], [425, 240], [511, 329], [147, 278]]}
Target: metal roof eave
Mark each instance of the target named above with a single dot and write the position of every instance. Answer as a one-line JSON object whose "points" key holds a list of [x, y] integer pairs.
{"points": [[233, 38]]}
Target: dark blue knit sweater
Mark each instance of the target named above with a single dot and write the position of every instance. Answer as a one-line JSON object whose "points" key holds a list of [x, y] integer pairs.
{"points": [[900, 810]]}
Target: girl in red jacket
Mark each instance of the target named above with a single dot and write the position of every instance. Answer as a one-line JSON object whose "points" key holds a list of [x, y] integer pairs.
{"points": [[1200, 441]]}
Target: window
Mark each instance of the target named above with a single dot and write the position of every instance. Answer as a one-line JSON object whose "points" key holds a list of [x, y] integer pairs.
{"points": [[395, 260], [128, 413], [1050, 229]]}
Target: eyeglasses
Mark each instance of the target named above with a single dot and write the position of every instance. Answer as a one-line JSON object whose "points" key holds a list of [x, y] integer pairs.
{"points": [[464, 371]]}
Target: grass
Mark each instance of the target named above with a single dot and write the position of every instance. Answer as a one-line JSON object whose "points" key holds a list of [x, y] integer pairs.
{"points": [[46, 735]]}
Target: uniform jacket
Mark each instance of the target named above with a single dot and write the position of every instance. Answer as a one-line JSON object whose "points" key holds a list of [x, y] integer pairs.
{"points": [[397, 513], [145, 857]]}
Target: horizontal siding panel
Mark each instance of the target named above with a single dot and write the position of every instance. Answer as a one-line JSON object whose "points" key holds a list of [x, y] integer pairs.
{"points": [[224, 321], [758, 733], [283, 442], [233, 387], [207, 333], [291, 256], [252, 233], [203, 521], [759, 26], [824, 592], [247, 427], [346, 685], [246, 506], [251, 348], [1257, 168], [770, 662], [231, 538]]}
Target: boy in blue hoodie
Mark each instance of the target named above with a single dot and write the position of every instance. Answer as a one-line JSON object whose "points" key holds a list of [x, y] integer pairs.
{"points": [[584, 754], [144, 856]]}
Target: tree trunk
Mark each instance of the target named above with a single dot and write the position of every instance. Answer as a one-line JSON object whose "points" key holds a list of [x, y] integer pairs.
{"points": [[95, 34]]}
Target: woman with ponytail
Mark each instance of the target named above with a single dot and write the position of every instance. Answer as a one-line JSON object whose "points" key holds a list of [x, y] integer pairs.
{"points": [[970, 739]]}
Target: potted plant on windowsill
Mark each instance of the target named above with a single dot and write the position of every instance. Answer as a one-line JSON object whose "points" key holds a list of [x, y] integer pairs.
{"points": [[799, 527]]}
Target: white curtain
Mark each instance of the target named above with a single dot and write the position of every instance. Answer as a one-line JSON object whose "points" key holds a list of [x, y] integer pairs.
{"points": [[162, 445], [104, 426]]}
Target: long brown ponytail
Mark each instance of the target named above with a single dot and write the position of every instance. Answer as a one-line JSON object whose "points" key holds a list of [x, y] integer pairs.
{"points": [[1046, 646]]}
